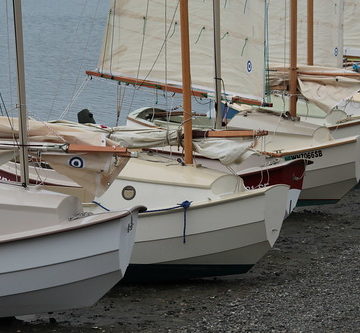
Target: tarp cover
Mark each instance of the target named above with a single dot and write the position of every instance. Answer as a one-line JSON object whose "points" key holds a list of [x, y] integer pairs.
{"points": [[94, 171], [226, 150], [324, 91]]}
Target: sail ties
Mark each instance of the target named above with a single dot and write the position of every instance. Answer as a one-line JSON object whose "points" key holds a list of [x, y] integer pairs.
{"points": [[198, 38], [174, 29], [245, 42], [225, 35], [245, 5]]}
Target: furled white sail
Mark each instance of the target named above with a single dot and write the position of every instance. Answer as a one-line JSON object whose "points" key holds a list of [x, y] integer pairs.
{"points": [[328, 32], [41, 131], [351, 27], [94, 170], [142, 41], [228, 151], [326, 87]]}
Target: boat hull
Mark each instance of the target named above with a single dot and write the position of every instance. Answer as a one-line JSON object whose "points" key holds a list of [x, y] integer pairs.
{"points": [[223, 227], [220, 238], [290, 173], [334, 172], [64, 264]]}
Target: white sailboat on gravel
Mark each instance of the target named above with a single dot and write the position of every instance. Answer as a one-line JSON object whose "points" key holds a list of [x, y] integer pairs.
{"points": [[53, 255], [335, 168], [226, 229], [329, 177], [325, 90], [117, 63], [200, 222]]}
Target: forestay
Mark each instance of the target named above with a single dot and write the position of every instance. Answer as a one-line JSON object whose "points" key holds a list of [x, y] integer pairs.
{"points": [[142, 41], [328, 32]]}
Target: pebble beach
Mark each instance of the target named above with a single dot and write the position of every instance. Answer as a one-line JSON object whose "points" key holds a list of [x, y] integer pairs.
{"points": [[309, 282]]}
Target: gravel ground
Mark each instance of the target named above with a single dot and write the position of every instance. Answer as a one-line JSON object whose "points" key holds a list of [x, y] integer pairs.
{"points": [[309, 282]]}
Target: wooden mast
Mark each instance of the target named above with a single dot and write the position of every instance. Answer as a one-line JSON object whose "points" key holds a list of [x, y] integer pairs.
{"points": [[24, 167], [185, 59], [310, 32], [293, 57]]}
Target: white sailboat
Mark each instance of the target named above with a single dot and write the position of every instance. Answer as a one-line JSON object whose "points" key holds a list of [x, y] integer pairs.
{"points": [[53, 255], [328, 179], [331, 173], [200, 222], [202, 36], [326, 90]]}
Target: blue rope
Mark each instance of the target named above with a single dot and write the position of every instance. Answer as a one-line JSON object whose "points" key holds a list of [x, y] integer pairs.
{"points": [[100, 205], [185, 204]]}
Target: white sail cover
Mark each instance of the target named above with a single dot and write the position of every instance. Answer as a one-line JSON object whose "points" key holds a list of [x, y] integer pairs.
{"points": [[328, 32], [95, 171], [142, 41], [352, 27], [325, 91], [226, 150]]}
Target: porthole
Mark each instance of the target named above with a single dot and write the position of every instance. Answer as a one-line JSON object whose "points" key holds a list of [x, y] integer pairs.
{"points": [[128, 192]]}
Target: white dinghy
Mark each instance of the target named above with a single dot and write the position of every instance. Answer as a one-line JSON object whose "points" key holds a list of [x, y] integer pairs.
{"points": [[200, 222], [55, 257]]}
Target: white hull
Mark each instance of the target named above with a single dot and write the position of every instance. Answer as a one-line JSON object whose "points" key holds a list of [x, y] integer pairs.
{"points": [[336, 162], [228, 229], [54, 263], [224, 237], [342, 122], [224, 233], [332, 174]]}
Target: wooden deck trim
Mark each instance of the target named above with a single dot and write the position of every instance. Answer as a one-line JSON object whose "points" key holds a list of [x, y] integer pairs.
{"points": [[306, 150], [142, 123], [243, 100], [353, 122], [356, 75], [228, 133], [75, 148], [60, 228]]}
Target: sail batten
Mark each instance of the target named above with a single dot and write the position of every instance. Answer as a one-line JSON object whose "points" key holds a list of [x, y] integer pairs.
{"points": [[142, 41]]}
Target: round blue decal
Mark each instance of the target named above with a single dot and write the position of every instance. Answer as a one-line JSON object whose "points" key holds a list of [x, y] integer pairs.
{"points": [[76, 162], [249, 66]]}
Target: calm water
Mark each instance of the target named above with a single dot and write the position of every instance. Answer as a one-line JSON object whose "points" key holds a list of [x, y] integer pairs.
{"points": [[63, 39]]}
